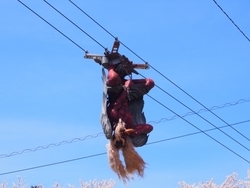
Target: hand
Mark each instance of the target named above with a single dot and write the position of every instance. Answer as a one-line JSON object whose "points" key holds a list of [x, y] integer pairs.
{"points": [[129, 131]]}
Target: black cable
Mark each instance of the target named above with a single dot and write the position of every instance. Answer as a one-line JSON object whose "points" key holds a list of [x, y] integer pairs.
{"points": [[98, 154], [231, 20], [194, 133], [202, 110], [74, 24], [159, 72], [92, 19], [200, 129], [196, 114], [51, 164], [198, 102], [50, 145], [51, 25]]}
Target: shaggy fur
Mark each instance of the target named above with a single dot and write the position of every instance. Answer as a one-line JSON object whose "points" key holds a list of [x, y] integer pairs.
{"points": [[133, 161]]}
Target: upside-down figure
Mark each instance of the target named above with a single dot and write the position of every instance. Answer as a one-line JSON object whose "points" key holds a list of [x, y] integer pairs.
{"points": [[122, 119]]}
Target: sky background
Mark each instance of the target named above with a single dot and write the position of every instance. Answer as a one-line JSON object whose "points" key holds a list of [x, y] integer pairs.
{"points": [[49, 93]]}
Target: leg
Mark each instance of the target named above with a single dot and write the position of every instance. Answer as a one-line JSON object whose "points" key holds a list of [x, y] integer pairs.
{"points": [[140, 87]]}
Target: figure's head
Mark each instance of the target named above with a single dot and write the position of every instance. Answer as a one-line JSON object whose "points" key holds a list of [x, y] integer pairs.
{"points": [[125, 67]]}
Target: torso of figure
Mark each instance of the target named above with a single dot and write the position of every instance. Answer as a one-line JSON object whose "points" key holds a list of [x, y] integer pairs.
{"points": [[119, 109], [118, 101]]}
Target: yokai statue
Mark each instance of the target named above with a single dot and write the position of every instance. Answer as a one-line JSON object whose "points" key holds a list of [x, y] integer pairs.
{"points": [[122, 119]]}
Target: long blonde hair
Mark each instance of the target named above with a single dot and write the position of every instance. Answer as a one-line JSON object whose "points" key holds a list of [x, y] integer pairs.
{"points": [[134, 164]]}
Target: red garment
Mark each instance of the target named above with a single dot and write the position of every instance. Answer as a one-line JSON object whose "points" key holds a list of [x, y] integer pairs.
{"points": [[119, 108]]}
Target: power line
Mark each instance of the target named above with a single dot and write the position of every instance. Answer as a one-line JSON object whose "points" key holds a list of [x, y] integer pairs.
{"points": [[103, 153], [194, 133], [50, 145], [201, 130], [196, 114], [198, 102], [228, 104], [52, 164], [74, 24], [92, 19], [52, 25], [232, 21], [38, 148], [162, 74]]}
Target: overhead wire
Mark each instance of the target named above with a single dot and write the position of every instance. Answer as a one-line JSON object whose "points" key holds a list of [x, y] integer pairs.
{"points": [[228, 104], [51, 25], [38, 148], [201, 130], [74, 24], [197, 132], [209, 122], [231, 21], [52, 164], [159, 72], [202, 105], [103, 153], [92, 19], [166, 93]]}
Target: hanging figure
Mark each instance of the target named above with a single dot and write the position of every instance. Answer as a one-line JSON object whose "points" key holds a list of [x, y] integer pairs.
{"points": [[123, 121]]}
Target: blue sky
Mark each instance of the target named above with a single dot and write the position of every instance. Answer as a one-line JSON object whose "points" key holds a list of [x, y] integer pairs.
{"points": [[49, 93]]}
